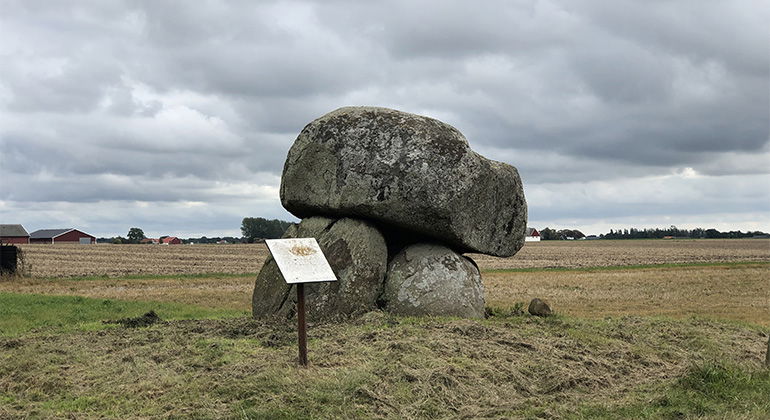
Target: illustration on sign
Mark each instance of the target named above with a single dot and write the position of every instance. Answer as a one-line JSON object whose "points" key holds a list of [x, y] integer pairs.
{"points": [[300, 260]]}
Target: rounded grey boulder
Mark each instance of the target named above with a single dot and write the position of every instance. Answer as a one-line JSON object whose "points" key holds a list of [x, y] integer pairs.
{"points": [[357, 253], [409, 171], [429, 279], [538, 307]]}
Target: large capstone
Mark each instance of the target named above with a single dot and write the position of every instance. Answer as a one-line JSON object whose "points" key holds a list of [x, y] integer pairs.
{"points": [[430, 279], [408, 171], [357, 253]]}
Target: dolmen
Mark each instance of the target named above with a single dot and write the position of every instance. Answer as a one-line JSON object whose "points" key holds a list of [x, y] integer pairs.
{"points": [[394, 200]]}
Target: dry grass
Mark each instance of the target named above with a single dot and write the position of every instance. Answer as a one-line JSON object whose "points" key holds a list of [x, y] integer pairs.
{"points": [[605, 253], [375, 367], [738, 292], [732, 291], [215, 291], [735, 291]]}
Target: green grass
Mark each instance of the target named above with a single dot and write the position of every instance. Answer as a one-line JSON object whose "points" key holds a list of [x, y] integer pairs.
{"points": [[382, 366], [511, 365], [708, 390], [21, 313], [629, 267]]}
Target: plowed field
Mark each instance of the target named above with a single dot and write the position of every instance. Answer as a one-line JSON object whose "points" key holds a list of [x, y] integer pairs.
{"points": [[120, 260], [605, 253]]}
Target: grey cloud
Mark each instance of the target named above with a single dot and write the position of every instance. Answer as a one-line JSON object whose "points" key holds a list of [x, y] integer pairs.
{"points": [[732, 33], [181, 100]]}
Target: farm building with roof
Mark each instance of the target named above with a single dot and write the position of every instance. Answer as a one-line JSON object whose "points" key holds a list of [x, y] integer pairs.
{"points": [[532, 235], [13, 234], [170, 240], [61, 236]]}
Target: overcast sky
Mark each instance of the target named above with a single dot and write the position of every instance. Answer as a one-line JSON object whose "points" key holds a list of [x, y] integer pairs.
{"points": [[176, 117]]}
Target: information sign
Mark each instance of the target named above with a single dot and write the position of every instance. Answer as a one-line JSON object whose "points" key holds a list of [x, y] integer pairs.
{"points": [[300, 260]]}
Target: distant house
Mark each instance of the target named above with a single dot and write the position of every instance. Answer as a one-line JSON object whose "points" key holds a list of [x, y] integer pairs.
{"points": [[170, 240], [532, 235], [152, 241], [13, 234], [61, 236]]}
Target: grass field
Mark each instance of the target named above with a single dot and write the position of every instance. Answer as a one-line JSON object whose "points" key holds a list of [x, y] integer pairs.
{"points": [[726, 279], [381, 366], [644, 329]]}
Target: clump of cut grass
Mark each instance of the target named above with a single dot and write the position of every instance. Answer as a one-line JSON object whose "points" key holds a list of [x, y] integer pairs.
{"points": [[517, 309], [145, 320]]}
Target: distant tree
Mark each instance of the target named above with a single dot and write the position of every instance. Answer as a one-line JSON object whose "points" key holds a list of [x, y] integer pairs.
{"points": [[119, 240], [254, 228], [548, 234], [135, 235], [571, 233]]}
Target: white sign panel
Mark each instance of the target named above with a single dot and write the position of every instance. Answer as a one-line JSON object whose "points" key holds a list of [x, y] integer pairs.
{"points": [[300, 260]]}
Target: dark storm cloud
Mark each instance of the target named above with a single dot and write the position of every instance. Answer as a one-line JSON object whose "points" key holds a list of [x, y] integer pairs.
{"points": [[178, 102]]}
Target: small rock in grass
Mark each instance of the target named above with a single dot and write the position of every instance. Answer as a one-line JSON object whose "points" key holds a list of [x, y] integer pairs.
{"points": [[538, 307]]}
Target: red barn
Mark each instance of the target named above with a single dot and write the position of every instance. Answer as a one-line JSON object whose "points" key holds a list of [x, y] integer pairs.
{"points": [[13, 234], [170, 240], [61, 236]]}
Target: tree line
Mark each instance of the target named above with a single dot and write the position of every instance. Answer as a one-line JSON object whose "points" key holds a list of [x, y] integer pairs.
{"points": [[254, 229], [549, 234], [674, 232]]}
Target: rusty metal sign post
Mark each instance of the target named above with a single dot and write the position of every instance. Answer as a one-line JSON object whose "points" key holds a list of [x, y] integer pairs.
{"points": [[301, 261]]}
